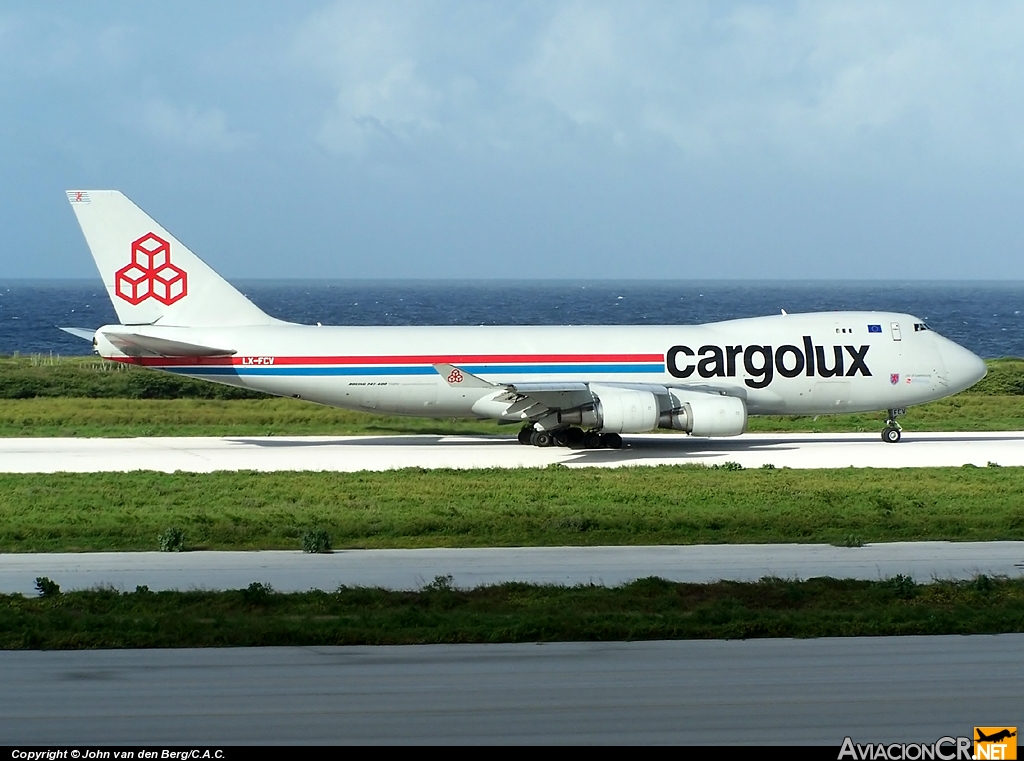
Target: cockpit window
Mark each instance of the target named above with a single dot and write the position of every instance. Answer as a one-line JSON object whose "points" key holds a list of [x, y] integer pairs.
{"points": [[919, 326]]}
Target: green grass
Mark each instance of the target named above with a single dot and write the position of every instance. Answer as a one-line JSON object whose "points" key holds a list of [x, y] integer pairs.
{"points": [[90, 397], [212, 417], [92, 377], [501, 507], [1005, 378], [646, 609]]}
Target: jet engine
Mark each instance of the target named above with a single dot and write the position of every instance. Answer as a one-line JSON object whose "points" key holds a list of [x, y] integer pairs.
{"points": [[629, 410], [705, 414], [625, 410]]}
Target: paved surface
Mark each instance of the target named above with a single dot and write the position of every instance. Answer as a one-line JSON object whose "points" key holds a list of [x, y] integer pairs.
{"points": [[351, 453], [884, 689], [411, 569]]}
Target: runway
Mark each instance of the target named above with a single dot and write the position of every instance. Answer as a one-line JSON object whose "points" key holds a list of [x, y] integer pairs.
{"points": [[354, 453], [769, 691], [411, 569]]}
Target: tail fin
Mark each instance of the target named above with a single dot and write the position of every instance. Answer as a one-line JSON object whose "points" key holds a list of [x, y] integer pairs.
{"points": [[150, 276]]}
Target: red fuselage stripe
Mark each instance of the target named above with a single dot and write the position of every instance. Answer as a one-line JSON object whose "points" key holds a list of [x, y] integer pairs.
{"points": [[425, 359]]}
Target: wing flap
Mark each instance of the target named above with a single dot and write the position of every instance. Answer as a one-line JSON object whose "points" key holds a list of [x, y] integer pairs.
{"points": [[562, 399]]}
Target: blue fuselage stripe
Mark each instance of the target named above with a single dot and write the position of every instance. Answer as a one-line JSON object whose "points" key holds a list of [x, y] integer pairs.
{"points": [[289, 370]]}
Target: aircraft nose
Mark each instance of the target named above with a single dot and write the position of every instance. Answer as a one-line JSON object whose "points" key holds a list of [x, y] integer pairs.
{"points": [[964, 368]]}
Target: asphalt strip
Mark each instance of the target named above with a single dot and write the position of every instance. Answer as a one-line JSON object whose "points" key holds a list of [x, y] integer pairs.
{"points": [[288, 571], [760, 691]]}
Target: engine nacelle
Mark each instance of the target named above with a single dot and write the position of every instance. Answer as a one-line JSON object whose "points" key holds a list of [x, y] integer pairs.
{"points": [[705, 414], [625, 410]]}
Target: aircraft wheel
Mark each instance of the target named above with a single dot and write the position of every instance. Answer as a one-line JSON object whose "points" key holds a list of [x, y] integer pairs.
{"points": [[592, 440], [891, 435], [525, 434], [611, 441], [542, 439], [560, 437], [574, 436]]}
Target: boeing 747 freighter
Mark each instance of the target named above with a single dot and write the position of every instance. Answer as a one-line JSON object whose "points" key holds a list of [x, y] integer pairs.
{"points": [[566, 385]]}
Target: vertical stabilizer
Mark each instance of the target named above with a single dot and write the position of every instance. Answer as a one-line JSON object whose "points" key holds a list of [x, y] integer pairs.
{"points": [[150, 276]]}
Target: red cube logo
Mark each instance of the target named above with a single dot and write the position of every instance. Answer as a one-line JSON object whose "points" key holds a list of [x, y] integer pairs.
{"points": [[151, 274], [168, 284], [151, 252], [133, 284]]}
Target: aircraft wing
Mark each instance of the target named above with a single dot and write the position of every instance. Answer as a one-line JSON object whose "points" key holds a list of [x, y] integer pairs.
{"points": [[531, 401], [538, 398]]}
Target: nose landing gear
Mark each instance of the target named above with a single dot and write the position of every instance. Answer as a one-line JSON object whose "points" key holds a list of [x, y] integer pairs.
{"points": [[892, 432]]}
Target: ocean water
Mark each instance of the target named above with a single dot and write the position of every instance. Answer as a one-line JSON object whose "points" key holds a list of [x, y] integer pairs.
{"points": [[987, 318]]}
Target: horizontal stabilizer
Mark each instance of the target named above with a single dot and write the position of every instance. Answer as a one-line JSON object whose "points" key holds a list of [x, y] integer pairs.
{"points": [[136, 345], [79, 332]]}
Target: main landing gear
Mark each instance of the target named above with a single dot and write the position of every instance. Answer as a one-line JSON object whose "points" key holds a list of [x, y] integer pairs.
{"points": [[570, 437], [892, 432]]}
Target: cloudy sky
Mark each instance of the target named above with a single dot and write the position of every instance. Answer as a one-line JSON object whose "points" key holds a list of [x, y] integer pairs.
{"points": [[653, 140]]}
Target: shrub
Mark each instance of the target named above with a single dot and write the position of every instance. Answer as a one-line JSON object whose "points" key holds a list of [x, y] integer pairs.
{"points": [[47, 587], [172, 540], [727, 466], [440, 584], [316, 541], [982, 583], [257, 593], [850, 540], [903, 586]]}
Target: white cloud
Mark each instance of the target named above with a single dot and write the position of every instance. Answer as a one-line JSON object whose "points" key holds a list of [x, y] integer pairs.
{"points": [[820, 85], [371, 54], [206, 130], [813, 81]]}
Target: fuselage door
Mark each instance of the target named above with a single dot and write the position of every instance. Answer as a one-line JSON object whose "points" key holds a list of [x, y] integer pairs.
{"points": [[895, 327]]}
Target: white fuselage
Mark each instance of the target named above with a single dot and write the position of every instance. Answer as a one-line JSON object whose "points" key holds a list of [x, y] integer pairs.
{"points": [[785, 364]]}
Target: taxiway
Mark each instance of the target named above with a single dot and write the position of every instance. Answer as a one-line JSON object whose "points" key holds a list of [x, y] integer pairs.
{"points": [[472, 567], [768, 691]]}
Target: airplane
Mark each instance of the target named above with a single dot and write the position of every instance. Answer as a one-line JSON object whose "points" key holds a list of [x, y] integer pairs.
{"points": [[579, 386], [1002, 734]]}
